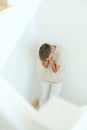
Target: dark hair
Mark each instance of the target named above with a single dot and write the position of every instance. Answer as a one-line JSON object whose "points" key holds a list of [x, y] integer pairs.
{"points": [[44, 51]]}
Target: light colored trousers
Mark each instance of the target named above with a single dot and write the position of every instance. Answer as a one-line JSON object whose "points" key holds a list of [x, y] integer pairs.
{"points": [[50, 89]]}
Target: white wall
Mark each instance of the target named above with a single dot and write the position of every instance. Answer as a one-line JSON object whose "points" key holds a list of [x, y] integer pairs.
{"points": [[13, 21], [20, 68], [65, 22]]}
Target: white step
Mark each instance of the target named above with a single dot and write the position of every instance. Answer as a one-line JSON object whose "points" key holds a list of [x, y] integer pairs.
{"points": [[14, 106], [15, 112], [58, 114]]}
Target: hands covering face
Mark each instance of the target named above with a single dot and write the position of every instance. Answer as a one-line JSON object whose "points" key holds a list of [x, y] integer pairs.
{"points": [[50, 57]]}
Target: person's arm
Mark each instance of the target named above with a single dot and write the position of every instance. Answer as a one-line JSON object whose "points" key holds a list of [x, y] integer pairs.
{"points": [[55, 67], [45, 63]]}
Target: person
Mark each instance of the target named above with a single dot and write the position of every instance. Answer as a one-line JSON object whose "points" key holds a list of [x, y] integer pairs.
{"points": [[52, 59]]}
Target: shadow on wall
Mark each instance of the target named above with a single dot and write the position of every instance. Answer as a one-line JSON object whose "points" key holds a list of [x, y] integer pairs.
{"points": [[34, 90]]}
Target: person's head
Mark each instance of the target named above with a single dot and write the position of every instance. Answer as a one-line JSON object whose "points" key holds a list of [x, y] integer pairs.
{"points": [[44, 51]]}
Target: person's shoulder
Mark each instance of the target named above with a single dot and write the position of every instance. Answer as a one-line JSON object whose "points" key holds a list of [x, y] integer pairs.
{"points": [[58, 49]]}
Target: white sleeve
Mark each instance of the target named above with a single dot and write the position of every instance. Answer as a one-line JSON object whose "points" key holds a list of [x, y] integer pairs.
{"points": [[59, 58]]}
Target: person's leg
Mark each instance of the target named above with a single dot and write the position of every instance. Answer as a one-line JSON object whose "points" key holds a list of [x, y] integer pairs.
{"points": [[56, 89], [45, 88]]}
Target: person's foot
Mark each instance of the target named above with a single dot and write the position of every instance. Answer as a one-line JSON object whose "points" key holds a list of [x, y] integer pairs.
{"points": [[35, 104]]}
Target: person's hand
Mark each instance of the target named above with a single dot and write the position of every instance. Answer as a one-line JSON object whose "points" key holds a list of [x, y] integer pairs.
{"points": [[50, 57]]}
